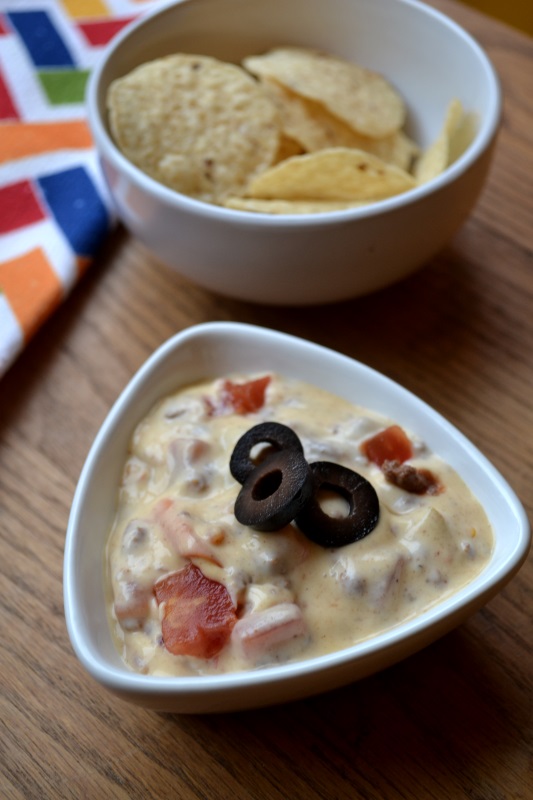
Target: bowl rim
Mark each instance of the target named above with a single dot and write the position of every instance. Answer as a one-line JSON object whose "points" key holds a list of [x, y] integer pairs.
{"points": [[123, 680], [178, 201]]}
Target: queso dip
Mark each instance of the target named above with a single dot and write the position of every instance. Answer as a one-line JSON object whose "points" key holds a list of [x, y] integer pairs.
{"points": [[192, 591]]}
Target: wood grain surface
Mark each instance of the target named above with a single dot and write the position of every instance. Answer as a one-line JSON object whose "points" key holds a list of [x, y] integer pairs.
{"points": [[454, 721]]}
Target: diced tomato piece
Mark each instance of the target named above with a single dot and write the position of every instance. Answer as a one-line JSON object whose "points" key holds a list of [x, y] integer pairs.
{"points": [[245, 398], [392, 444], [198, 616]]}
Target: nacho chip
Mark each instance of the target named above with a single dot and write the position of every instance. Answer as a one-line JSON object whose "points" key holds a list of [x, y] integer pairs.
{"points": [[398, 149], [289, 206], [335, 174], [310, 123], [315, 128], [437, 156], [310, 133], [463, 136], [363, 99], [287, 148], [196, 124]]}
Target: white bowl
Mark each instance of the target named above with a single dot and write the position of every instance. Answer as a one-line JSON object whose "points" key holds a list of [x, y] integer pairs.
{"points": [[216, 349], [316, 258]]}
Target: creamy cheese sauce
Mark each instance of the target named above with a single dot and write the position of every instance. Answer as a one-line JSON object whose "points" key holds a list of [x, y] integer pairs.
{"points": [[293, 599]]}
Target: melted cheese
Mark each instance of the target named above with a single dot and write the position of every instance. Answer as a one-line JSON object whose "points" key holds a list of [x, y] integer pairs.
{"points": [[295, 599]]}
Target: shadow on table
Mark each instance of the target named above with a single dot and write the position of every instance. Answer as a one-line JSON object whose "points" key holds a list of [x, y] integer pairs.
{"points": [[438, 713]]}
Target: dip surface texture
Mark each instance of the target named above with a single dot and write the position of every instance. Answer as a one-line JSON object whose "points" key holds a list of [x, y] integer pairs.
{"points": [[192, 591]]}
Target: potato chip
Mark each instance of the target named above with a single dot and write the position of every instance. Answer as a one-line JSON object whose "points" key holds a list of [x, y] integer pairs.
{"points": [[437, 157], [334, 174], [363, 99], [198, 125], [315, 128], [289, 206]]}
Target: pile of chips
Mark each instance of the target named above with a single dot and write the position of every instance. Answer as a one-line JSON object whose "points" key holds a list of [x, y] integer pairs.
{"points": [[293, 131]]}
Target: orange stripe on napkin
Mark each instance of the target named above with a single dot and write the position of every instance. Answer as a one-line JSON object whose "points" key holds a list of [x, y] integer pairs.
{"points": [[19, 140], [32, 288]]}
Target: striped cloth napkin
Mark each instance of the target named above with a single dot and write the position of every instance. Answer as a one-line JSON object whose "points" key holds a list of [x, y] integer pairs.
{"points": [[54, 209]]}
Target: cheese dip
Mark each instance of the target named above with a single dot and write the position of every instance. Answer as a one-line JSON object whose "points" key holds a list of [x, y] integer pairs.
{"points": [[191, 591]]}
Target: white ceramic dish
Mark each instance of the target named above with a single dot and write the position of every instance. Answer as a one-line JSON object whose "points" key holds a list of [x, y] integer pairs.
{"points": [[215, 349], [316, 258]]}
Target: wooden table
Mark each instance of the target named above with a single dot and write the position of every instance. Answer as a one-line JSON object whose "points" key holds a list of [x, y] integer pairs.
{"points": [[454, 721]]}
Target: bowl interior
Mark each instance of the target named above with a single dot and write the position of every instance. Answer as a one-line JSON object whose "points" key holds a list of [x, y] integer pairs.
{"points": [[216, 349], [427, 56]]}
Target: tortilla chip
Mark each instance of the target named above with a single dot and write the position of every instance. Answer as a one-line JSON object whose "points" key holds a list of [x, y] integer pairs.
{"points": [[315, 128], [288, 206], [463, 136], [398, 149], [310, 133], [196, 124], [335, 174], [363, 99], [287, 148], [310, 123], [436, 157]]}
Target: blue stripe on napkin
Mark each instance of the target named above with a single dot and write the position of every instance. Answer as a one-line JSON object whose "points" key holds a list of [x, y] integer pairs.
{"points": [[77, 208], [41, 38]]}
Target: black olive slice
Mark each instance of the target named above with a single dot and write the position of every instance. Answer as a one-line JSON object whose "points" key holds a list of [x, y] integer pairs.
{"points": [[363, 514], [281, 437], [274, 492]]}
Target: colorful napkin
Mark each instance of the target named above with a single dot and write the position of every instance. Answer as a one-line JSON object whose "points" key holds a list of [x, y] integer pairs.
{"points": [[54, 209]]}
